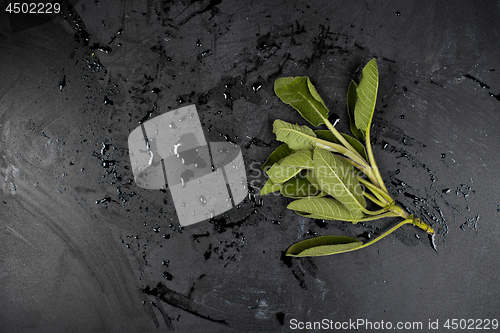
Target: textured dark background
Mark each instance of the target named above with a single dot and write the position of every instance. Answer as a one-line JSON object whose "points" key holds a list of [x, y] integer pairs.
{"points": [[82, 249]]}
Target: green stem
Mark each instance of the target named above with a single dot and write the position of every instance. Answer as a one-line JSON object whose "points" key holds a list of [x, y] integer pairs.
{"points": [[341, 138], [393, 211], [424, 226], [380, 194], [370, 169], [374, 200], [416, 221], [376, 217], [407, 221], [397, 226], [373, 164], [354, 155], [336, 148]]}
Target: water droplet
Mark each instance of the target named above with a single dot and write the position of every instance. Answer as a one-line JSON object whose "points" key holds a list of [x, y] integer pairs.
{"points": [[443, 155], [203, 200], [333, 118], [107, 101], [103, 200], [168, 276], [402, 116], [256, 86], [446, 190], [398, 13]]}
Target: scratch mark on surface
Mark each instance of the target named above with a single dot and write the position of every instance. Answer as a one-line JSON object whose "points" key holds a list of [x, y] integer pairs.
{"points": [[20, 236]]}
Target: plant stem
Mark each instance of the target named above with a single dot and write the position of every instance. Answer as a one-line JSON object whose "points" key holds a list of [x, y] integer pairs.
{"points": [[374, 200], [355, 156], [376, 217], [407, 221], [370, 169], [373, 164], [340, 137], [416, 221], [379, 193], [424, 226], [397, 226]]}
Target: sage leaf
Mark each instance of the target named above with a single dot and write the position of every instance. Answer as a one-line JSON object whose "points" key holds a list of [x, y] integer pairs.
{"points": [[352, 98], [323, 246], [336, 176], [269, 187], [300, 93], [328, 135], [299, 187], [278, 154], [325, 209], [366, 97], [290, 166]]}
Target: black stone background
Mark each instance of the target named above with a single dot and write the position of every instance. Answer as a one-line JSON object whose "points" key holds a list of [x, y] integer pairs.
{"points": [[82, 249]]}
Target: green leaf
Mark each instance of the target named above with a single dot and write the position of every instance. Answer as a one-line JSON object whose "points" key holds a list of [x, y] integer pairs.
{"points": [[328, 135], [297, 137], [301, 159], [352, 98], [302, 137], [336, 176], [279, 153], [323, 246], [309, 175], [300, 93], [367, 96], [269, 187], [299, 187], [325, 209], [279, 174], [290, 166]]}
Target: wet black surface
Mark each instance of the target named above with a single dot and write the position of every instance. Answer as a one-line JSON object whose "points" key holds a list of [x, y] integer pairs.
{"points": [[82, 248]]}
